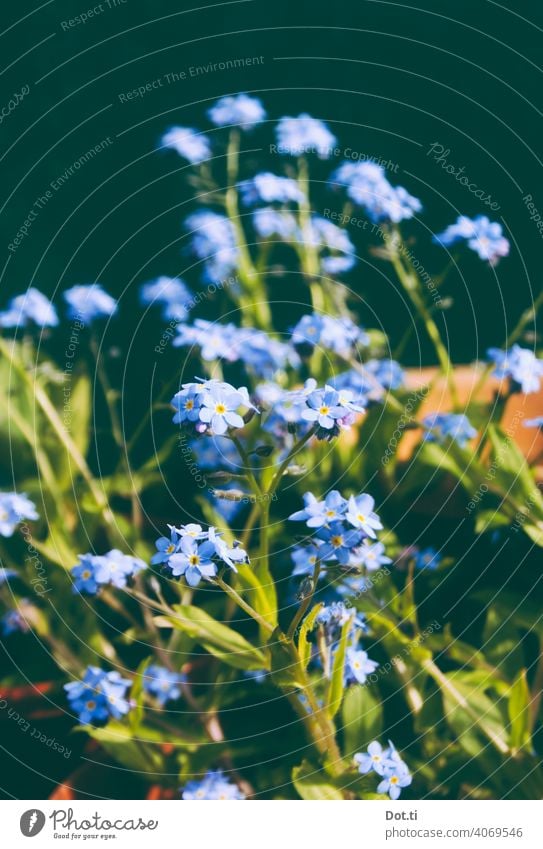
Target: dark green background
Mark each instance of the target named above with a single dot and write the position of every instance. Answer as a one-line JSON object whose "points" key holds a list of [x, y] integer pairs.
{"points": [[383, 75]]}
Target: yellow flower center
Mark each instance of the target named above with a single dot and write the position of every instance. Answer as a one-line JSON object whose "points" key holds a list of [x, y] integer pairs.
{"points": [[324, 410], [189, 405], [337, 541], [220, 408], [194, 560]]}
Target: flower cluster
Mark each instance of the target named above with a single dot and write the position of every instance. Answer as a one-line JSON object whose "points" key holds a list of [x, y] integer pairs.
{"points": [[332, 618], [211, 406], [388, 765], [99, 695], [30, 308], [171, 293], [442, 426], [86, 303], [520, 365], [270, 188], [483, 236], [214, 242], [188, 143], [13, 622], [14, 507], [239, 109], [95, 571], [196, 554], [367, 186], [342, 529], [326, 409], [257, 350], [340, 335], [214, 786], [304, 134], [162, 684]]}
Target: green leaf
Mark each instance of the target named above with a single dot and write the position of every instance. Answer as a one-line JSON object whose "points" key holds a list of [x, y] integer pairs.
{"points": [[312, 783], [119, 742], [304, 646], [518, 708], [362, 718], [217, 639], [336, 688], [471, 713]]}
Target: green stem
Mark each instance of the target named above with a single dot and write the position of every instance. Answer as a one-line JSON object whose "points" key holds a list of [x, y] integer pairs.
{"points": [[411, 286], [302, 610], [117, 431], [230, 591], [255, 486], [254, 300]]}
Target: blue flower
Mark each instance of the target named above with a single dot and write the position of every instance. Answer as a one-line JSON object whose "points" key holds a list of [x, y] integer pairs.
{"points": [[113, 568], [189, 143], [214, 786], [162, 684], [171, 293], [334, 616], [326, 409], [537, 422], [83, 575], [166, 547], [273, 222], [375, 759], [305, 558], [361, 515], [426, 558], [443, 425], [337, 542], [258, 351], [13, 622], [358, 666], [214, 242], [316, 513], [216, 452], [520, 365], [86, 303], [219, 406], [98, 696], [372, 556], [193, 561], [187, 402], [388, 373], [227, 554], [211, 406], [368, 186], [30, 308], [270, 188], [388, 765], [304, 134], [240, 109], [340, 335], [395, 779], [14, 508], [483, 236]]}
